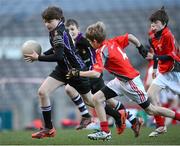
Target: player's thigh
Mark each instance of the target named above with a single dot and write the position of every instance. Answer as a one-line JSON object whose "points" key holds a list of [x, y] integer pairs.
{"points": [[49, 85], [81, 84], [96, 84]]}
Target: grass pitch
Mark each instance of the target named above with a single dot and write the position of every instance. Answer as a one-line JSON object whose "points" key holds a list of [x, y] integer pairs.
{"points": [[73, 137]]}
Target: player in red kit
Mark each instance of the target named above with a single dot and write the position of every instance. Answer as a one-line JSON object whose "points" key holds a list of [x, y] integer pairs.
{"points": [[111, 56], [166, 61]]}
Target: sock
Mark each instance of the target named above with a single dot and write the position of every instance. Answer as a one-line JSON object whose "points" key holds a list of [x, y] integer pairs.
{"points": [[115, 114], [78, 101], [131, 118], [119, 106], [174, 122], [104, 126], [159, 121], [177, 116], [46, 112]]}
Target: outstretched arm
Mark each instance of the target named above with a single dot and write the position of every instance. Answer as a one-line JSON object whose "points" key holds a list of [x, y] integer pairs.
{"points": [[143, 51], [90, 73], [76, 73], [134, 40]]}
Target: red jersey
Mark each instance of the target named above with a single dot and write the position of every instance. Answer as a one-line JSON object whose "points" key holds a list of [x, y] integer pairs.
{"points": [[112, 57], [165, 45]]}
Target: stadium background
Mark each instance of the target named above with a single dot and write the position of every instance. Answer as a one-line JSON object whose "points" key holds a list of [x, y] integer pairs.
{"points": [[21, 21]]}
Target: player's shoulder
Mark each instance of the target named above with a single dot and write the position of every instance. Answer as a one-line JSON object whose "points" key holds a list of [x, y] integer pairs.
{"points": [[83, 41], [167, 33]]}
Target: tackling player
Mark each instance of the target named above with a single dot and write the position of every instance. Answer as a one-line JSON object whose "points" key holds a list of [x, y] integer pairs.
{"points": [[87, 53], [110, 55]]}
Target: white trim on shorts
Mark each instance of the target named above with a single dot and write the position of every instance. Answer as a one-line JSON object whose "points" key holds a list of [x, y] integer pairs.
{"points": [[132, 89]]}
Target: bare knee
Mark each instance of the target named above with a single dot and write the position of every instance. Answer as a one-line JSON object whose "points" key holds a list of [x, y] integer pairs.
{"points": [[151, 110], [68, 89], [42, 93], [71, 92], [98, 98]]}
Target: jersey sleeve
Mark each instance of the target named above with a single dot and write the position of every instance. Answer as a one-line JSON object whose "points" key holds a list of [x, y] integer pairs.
{"points": [[58, 49], [122, 40]]}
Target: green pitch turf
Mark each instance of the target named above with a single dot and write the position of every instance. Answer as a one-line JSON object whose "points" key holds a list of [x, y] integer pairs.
{"points": [[73, 137]]}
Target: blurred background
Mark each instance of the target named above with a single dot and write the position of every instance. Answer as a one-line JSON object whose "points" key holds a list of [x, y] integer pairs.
{"points": [[21, 21]]}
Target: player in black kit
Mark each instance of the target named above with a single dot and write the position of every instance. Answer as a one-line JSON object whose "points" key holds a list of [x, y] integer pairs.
{"points": [[62, 52]]}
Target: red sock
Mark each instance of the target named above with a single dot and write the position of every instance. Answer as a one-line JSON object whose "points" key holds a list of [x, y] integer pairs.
{"points": [[177, 116], [159, 121], [174, 122], [104, 126]]}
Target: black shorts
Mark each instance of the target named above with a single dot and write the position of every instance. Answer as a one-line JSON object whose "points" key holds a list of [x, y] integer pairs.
{"points": [[81, 84], [96, 84], [108, 92]]}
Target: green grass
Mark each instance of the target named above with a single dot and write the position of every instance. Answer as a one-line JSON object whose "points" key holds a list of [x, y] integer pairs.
{"points": [[73, 137]]}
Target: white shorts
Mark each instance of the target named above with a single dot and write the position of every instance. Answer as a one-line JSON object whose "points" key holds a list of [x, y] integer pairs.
{"points": [[170, 80], [166, 95], [133, 89]]}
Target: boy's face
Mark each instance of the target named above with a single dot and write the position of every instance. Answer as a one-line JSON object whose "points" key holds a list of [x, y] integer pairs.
{"points": [[157, 26], [51, 24], [94, 44], [73, 30]]}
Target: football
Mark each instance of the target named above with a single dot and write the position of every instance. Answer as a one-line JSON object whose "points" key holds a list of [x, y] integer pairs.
{"points": [[29, 46]]}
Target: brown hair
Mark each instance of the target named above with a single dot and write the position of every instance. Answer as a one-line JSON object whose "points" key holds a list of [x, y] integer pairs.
{"points": [[96, 32], [53, 12], [160, 15], [71, 22]]}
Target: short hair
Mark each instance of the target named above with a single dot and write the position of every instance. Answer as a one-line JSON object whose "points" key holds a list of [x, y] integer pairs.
{"points": [[96, 32], [71, 22], [160, 15], [53, 12]]}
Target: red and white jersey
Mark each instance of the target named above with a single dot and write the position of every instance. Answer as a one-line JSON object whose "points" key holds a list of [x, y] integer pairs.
{"points": [[165, 45], [112, 57]]}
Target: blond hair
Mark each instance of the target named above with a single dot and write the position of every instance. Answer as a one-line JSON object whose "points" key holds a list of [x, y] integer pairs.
{"points": [[96, 32]]}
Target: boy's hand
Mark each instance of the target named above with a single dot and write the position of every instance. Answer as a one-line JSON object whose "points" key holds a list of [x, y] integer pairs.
{"points": [[149, 56], [143, 51], [31, 57], [72, 73]]}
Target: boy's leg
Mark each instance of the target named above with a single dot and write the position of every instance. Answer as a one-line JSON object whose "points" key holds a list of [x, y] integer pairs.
{"points": [[78, 101], [154, 93], [105, 133], [48, 86]]}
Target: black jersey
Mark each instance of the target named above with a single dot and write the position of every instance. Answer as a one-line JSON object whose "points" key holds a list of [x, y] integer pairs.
{"points": [[63, 50], [85, 50]]}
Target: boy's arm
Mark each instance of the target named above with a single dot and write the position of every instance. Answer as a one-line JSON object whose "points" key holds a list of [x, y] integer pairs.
{"points": [[76, 73], [48, 52], [143, 51]]}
